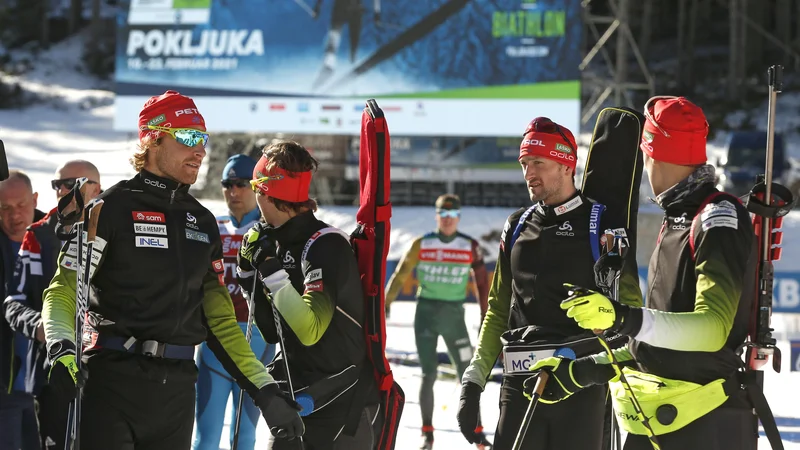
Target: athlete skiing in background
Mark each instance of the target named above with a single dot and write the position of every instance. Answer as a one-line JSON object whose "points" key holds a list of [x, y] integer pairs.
{"points": [[444, 260], [214, 383], [681, 360], [542, 247]]}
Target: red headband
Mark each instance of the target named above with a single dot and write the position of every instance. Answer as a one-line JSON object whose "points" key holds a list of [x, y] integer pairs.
{"points": [[283, 185]]}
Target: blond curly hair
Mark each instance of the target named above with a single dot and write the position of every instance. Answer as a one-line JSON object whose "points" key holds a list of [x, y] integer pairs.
{"points": [[139, 158]]}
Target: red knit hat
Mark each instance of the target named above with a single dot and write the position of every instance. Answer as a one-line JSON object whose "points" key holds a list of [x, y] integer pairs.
{"points": [[170, 110], [675, 131], [547, 139]]}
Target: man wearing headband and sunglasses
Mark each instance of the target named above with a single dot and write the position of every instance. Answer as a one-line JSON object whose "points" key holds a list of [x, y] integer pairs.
{"points": [[701, 285], [310, 274], [157, 291], [214, 384], [444, 260], [35, 267], [542, 247]]}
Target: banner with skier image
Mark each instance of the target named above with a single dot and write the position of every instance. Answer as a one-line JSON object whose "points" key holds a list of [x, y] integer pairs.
{"points": [[438, 67]]}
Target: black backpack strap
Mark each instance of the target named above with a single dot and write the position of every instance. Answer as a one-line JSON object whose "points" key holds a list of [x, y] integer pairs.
{"points": [[747, 381]]}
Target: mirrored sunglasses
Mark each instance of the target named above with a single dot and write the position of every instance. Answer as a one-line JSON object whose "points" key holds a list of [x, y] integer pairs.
{"points": [[186, 136], [454, 213], [67, 183], [238, 182]]}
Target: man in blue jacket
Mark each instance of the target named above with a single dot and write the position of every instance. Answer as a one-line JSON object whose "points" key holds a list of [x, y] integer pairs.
{"points": [[35, 267], [18, 427]]}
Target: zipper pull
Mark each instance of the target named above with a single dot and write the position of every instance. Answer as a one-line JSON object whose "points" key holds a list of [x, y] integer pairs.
{"points": [[171, 197]]}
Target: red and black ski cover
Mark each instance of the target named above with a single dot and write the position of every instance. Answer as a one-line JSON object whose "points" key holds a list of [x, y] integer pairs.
{"points": [[370, 241]]}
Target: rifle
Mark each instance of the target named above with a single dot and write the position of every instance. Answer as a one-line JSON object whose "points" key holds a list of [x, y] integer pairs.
{"points": [[769, 202]]}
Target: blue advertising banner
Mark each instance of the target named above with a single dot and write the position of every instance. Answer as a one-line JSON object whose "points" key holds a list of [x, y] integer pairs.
{"points": [[786, 288], [437, 67]]}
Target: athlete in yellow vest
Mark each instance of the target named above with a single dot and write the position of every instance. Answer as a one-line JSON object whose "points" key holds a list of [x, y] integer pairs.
{"points": [[444, 259]]}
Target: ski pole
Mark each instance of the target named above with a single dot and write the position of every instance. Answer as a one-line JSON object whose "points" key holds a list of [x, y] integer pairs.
{"points": [[541, 381], [251, 306], [278, 328], [619, 245]]}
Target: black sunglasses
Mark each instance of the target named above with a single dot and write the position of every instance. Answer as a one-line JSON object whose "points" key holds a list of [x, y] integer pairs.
{"points": [[238, 182], [68, 183]]}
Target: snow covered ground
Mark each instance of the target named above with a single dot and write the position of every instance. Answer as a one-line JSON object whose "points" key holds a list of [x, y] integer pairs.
{"points": [[74, 121]]}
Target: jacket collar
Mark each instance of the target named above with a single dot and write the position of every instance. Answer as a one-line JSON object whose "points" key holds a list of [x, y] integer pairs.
{"points": [[555, 212], [697, 184], [160, 186], [298, 228]]}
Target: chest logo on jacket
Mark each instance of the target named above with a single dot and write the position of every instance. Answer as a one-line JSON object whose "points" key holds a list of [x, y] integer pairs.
{"points": [[191, 221], [148, 216], [679, 223], [288, 261], [565, 229]]}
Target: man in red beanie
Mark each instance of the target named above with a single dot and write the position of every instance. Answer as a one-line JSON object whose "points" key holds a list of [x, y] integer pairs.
{"points": [[157, 291], [541, 248], [310, 273], [700, 292]]}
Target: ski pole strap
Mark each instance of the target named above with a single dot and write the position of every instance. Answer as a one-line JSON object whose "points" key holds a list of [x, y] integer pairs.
{"points": [[66, 221], [518, 228], [594, 229]]}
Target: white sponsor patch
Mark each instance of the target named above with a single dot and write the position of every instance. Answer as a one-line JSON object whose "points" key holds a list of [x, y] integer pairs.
{"points": [[148, 241], [149, 228], [722, 214], [314, 275], [521, 361], [569, 206], [722, 221]]}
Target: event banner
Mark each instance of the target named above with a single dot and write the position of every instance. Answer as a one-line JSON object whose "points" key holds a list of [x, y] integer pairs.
{"points": [[437, 67], [463, 159]]}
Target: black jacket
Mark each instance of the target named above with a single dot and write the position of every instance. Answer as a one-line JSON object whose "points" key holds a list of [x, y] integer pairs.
{"points": [[725, 257], [158, 276], [328, 276]]}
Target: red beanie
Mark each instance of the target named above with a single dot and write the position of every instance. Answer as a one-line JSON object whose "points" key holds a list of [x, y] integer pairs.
{"points": [[170, 110], [675, 131], [547, 139]]}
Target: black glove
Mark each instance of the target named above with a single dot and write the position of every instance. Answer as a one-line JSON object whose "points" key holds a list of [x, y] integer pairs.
{"points": [[567, 377], [258, 244], [280, 412], [469, 411], [64, 376]]}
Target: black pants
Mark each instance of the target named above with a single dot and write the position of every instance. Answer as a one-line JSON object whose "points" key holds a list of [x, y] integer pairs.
{"points": [[575, 423], [52, 412], [133, 402], [324, 431], [721, 429]]}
